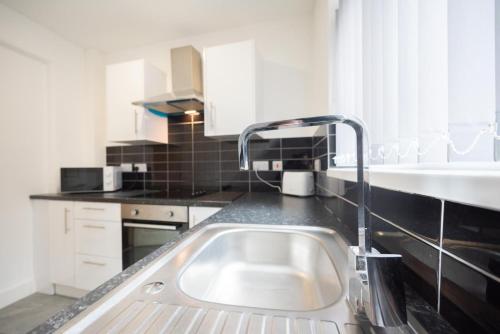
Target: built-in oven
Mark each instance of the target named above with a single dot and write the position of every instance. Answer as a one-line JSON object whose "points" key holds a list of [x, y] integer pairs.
{"points": [[147, 227]]}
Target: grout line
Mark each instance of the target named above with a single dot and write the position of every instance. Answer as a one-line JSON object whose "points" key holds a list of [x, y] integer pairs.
{"points": [[321, 156], [292, 148], [472, 266], [192, 154], [281, 159], [320, 141], [144, 159], [168, 173], [413, 234], [440, 258], [220, 166]]}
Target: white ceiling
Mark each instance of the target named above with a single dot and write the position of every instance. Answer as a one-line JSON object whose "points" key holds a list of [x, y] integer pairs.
{"points": [[110, 25]]}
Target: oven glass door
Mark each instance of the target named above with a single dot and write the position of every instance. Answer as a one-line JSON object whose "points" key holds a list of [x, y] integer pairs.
{"points": [[140, 238]]}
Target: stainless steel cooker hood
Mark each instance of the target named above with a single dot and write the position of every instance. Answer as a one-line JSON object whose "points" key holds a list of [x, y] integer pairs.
{"points": [[187, 84]]}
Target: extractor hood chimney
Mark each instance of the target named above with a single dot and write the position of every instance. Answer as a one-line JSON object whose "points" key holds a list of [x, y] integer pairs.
{"points": [[187, 84]]}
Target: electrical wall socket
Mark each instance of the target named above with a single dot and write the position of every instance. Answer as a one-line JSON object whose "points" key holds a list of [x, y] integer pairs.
{"points": [[317, 165], [126, 167], [278, 165], [141, 167], [260, 165]]}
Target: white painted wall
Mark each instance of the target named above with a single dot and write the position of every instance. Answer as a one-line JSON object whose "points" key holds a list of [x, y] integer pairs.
{"points": [[46, 122], [286, 51], [322, 52]]}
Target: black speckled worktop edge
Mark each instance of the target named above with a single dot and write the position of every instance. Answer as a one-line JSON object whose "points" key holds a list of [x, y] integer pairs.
{"points": [[217, 199], [252, 208]]}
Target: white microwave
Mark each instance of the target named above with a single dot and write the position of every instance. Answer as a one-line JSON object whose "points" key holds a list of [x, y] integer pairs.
{"points": [[91, 179]]}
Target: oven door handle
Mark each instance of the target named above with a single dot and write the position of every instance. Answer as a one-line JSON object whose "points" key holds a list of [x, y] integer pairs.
{"points": [[152, 226]]}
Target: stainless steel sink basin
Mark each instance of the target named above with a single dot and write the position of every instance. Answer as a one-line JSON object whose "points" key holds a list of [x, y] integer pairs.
{"points": [[233, 279], [284, 270]]}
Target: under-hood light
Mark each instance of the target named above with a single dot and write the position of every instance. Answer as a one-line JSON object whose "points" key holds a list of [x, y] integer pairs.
{"points": [[191, 112]]}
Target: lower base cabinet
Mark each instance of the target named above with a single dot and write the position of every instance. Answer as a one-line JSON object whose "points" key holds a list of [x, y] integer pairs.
{"points": [[92, 271], [85, 243]]}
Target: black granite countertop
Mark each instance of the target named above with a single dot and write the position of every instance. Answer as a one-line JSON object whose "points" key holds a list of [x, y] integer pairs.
{"points": [[145, 197], [252, 208]]}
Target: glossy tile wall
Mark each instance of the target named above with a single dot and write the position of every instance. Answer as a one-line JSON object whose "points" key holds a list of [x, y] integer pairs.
{"points": [[451, 251], [193, 162]]}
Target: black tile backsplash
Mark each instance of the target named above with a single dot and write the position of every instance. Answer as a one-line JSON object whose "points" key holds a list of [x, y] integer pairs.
{"points": [[469, 299], [415, 213], [305, 142], [473, 234], [194, 162], [421, 261]]}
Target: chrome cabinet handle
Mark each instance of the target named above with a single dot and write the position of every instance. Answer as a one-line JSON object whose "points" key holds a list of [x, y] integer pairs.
{"points": [[135, 121], [94, 209], [212, 115], [95, 226], [95, 263], [66, 228]]}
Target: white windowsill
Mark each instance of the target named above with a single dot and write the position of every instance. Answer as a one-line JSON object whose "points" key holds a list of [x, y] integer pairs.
{"points": [[477, 184]]}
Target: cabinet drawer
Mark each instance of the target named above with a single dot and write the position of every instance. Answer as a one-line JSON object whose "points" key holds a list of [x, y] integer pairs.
{"points": [[92, 271], [98, 211], [101, 238]]}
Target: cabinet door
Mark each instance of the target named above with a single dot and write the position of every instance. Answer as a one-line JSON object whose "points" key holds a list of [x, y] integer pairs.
{"points": [[100, 238], [199, 214], [62, 243], [151, 127], [229, 88], [92, 271], [124, 85]]}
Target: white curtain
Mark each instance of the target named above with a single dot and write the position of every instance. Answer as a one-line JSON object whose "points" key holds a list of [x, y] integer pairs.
{"points": [[421, 74]]}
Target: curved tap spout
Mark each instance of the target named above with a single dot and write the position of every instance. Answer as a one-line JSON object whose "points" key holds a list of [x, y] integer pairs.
{"points": [[364, 224]]}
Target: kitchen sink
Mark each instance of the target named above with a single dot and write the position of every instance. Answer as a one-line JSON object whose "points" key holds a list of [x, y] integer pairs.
{"points": [[286, 270], [233, 278]]}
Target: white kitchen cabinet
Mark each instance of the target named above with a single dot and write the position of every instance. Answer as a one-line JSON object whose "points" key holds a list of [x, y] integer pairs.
{"points": [[230, 93], [197, 214], [92, 271], [62, 243], [126, 83], [101, 238], [98, 211], [98, 243], [85, 243]]}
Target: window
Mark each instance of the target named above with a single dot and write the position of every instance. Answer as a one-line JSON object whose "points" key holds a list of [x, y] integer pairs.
{"points": [[422, 75]]}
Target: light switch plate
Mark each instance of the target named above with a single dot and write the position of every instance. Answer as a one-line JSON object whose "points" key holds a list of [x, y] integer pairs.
{"points": [[277, 165], [260, 165]]}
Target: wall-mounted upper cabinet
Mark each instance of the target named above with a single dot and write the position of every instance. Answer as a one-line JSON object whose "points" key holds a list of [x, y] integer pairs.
{"points": [[126, 123], [229, 75]]}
